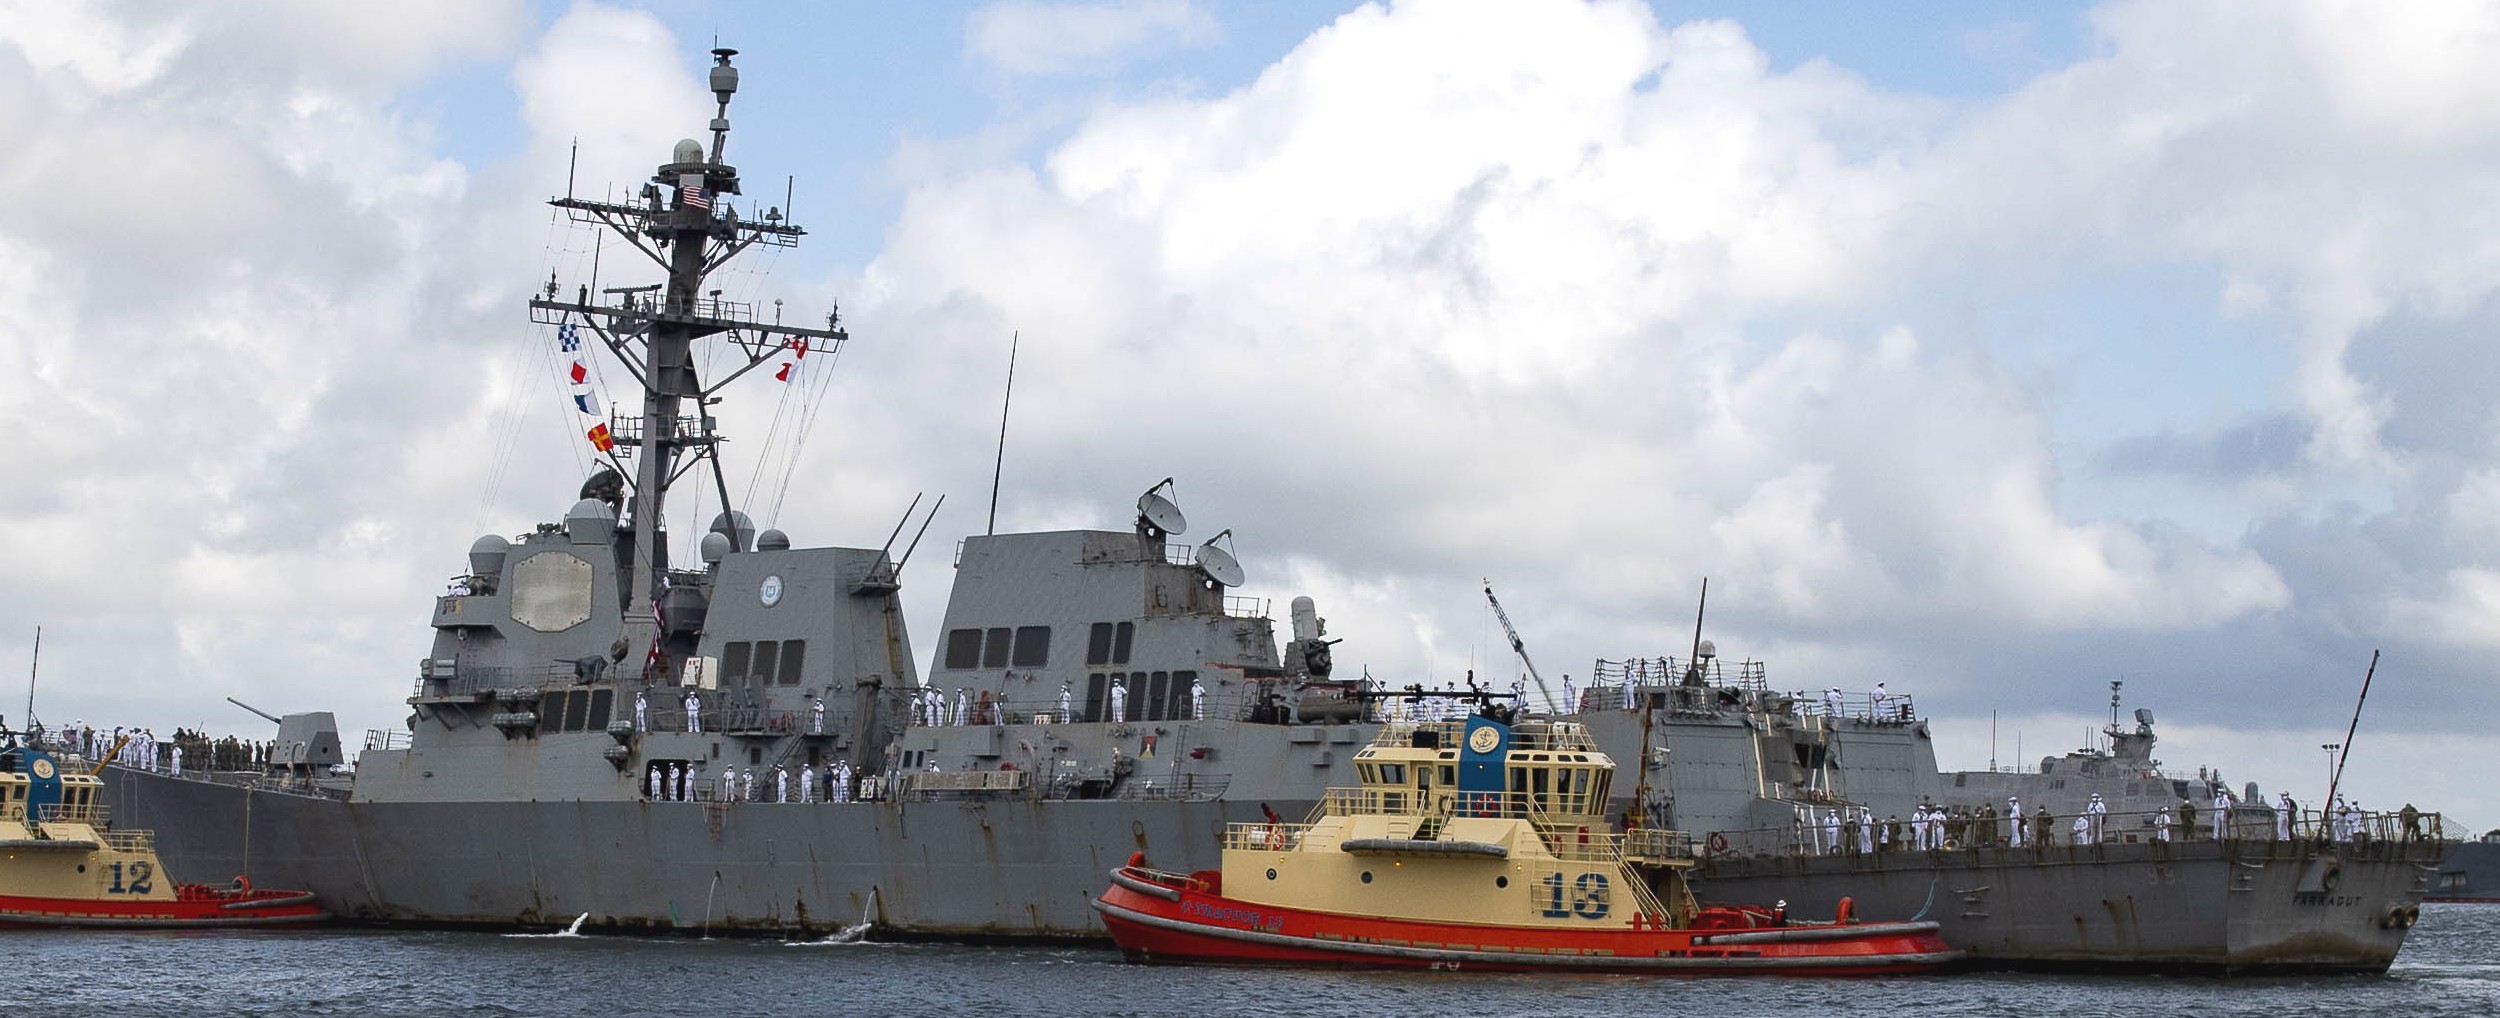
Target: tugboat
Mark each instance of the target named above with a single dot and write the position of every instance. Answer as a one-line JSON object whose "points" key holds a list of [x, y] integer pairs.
{"points": [[1479, 843], [62, 864]]}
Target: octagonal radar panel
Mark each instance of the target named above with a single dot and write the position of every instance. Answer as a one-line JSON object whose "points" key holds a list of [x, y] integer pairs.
{"points": [[1220, 565], [1159, 511]]}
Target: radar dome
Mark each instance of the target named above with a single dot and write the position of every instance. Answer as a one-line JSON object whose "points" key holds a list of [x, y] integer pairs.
{"points": [[739, 529], [772, 540], [1709, 649], [486, 555], [715, 547], [688, 151], [590, 521]]}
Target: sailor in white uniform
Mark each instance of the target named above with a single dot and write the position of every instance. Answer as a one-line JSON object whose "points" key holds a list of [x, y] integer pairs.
{"points": [[1571, 700], [2096, 810], [1067, 702], [656, 772], [1866, 831], [815, 714], [1831, 702], [1197, 700], [963, 706], [677, 780], [807, 783], [729, 784], [694, 712], [2161, 824], [2014, 819], [746, 786], [2083, 829], [781, 784], [2283, 816], [1830, 841], [1877, 701], [1119, 701], [177, 759], [2222, 812], [842, 781]]}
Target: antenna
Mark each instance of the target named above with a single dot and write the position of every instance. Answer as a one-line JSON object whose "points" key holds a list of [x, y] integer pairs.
{"points": [[1159, 512], [2337, 779], [1694, 662], [29, 719], [1014, 340], [571, 162], [1219, 564], [915, 537]]}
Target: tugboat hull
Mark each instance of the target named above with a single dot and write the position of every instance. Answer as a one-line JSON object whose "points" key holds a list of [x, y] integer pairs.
{"points": [[1161, 917]]}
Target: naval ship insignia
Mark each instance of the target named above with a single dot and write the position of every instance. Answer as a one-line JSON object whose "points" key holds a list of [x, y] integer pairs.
{"points": [[43, 769], [770, 592], [1484, 740]]}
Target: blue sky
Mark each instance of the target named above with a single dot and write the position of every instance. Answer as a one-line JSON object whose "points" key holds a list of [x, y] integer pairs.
{"points": [[1996, 351]]}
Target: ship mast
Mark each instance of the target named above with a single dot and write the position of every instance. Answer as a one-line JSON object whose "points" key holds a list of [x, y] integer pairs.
{"points": [[683, 224]]}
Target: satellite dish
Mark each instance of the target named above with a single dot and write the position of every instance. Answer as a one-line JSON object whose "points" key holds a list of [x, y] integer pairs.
{"points": [[1219, 564], [1160, 511]]}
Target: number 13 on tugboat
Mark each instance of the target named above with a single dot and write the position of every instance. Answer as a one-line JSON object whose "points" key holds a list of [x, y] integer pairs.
{"points": [[1479, 843]]}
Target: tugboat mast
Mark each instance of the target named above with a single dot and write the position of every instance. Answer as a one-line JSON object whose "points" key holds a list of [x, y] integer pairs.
{"points": [[683, 225]]}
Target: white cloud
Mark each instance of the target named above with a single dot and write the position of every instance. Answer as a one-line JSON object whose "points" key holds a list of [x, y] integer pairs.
{"points": [[1032, 37]]}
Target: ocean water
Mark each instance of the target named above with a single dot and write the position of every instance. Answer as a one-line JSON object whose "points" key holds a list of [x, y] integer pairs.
{"points": [[2450, 966]]}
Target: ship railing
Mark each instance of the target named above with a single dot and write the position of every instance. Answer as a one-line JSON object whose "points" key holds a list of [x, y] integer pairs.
{"points": [[1180, 787], [62, 812], [1893, 709], [1543, 809], [1965, 832], [962, 784], [1669, 670], [385, 739]]}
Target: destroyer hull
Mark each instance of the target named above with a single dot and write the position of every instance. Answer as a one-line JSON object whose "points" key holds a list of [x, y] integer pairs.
{"points": [[2233, 907], [1008, 869]]}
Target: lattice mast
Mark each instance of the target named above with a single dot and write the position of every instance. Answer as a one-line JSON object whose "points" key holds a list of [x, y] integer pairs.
{"points": [[682, 224]]}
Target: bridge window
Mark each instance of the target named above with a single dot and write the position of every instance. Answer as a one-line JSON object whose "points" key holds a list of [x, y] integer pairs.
{"points": [[1097, 694], [994, 648], [1032, 647], [1125, 634], [1098, 644], [576, 710], [600, 701], [767, 658], [793, 658], [963, 648], [733, 662]]}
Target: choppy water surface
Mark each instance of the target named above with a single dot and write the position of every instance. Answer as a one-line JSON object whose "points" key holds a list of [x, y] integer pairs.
{"points": [[2450, 966]]}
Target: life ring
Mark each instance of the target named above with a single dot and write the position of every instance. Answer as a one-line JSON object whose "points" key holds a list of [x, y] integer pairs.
{"points": [[1718, 843], [1848, 911], [242, 883], [1275, 837]]}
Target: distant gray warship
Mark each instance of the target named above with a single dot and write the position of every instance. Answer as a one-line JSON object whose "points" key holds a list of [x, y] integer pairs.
{"points": [[596, 731]]}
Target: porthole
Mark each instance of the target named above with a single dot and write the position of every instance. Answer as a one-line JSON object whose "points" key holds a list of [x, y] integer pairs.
{"points": [[1501, 881], [1271, 874], [1367, 876]]}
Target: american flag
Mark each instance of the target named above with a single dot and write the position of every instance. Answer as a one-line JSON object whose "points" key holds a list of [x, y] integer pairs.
{"points": [[690, 192]]}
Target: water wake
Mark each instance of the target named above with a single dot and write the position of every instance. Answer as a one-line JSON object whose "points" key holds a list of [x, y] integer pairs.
{"points": [[574, 930]]}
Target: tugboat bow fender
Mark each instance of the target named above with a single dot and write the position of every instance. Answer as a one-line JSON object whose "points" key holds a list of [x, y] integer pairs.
{"points": [[1121, 877], [257, 903], [1803, 933], [1415, 846]]}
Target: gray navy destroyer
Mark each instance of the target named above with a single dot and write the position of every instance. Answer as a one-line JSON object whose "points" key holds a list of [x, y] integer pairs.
{"points": [[745, 742]]}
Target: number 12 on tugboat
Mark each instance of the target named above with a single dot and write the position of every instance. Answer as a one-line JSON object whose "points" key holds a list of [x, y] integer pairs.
{"points": [[1480, 843]]}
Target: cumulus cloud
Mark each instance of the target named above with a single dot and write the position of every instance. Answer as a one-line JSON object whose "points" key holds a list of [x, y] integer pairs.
{"points": [[1030, 37]]}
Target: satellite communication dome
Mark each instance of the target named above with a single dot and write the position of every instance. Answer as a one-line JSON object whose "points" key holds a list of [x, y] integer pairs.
{"points": [[486, 555], [714, 548], [590, 521], [739, 529], [688, 151], [772, 540], [1709, 649]]}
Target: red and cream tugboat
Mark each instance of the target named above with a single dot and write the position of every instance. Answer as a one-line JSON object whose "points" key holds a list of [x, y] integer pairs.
{"points": [[61, 864], [1478, 844]]}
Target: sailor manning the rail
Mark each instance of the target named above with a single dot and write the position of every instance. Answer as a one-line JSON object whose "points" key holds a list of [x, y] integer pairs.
{"points": [[963, 706], [1119, 701], [642, 712], [2222, 812], [1067, 702], [746, 786], [1197, 700], [842, 781], [2083, 829], [2014, 819], [815, 714], [1875, 708], [677, 781], [1866, 831], [1830, 842], [694, 712], [807, 783], [656, 771], [781, 784], [2161, 824], [2283, 813]]}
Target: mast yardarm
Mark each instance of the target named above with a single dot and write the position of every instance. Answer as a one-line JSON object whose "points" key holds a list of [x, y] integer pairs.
{"points": [[683, 224]]}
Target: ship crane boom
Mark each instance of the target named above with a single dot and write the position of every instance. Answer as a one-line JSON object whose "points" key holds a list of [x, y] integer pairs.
{"points": [[1519, 648]]}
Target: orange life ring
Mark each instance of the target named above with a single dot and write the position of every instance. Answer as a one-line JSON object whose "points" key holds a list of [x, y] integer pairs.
{"points": [[242, 883], [1848, 911], [1718, 843], [1275, 837]]}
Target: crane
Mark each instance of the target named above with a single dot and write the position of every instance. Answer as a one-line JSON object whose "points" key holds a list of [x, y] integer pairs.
{"points": [[1520, 648]]}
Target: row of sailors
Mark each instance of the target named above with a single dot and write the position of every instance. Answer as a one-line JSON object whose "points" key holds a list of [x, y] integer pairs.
{"points": [[135, 748], [1937, 827], [931, 709], [677, 782], [694, 712]]}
